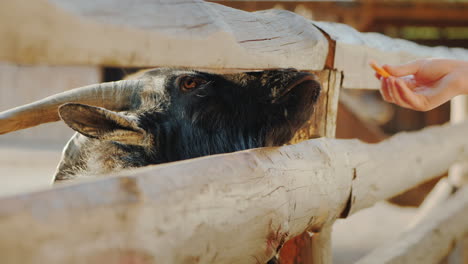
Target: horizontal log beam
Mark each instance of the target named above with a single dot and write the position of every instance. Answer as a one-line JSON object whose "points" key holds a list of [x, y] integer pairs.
{"points": [[432, 239], [188, 33], [236, 208], [386, 169], [193, 33]]}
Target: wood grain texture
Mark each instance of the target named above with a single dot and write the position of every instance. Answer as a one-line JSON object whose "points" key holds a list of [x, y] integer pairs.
{"points": [[431, 240], [190, 33], [236, 208]]}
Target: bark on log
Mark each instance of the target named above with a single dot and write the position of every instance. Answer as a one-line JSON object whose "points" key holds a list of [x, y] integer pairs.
{"points": [[235, 208]]}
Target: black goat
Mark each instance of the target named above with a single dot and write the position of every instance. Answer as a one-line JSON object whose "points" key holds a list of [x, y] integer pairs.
{"points": [[172, 114]]}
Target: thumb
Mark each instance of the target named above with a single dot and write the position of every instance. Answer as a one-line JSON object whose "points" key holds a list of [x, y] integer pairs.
{"points": [[403, 69]]}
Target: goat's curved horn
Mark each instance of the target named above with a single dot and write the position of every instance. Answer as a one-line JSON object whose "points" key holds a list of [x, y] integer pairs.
{"points": [[121, 95]]}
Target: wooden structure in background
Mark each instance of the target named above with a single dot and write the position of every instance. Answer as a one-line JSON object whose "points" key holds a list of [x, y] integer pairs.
{"points": [[356, 127], [369, 15], [239, 207]]}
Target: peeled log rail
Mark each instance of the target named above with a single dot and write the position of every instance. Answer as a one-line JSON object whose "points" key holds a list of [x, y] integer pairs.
{"points": [[230, 208], [151, 33], [194, 33], [432, 239]]}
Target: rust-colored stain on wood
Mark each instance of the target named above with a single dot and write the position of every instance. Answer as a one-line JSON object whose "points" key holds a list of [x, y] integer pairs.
{"points": [[130, 187], [297, 250]]}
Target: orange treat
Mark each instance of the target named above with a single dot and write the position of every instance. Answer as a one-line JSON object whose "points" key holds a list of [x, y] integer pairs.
{"points": [[379, 69]]}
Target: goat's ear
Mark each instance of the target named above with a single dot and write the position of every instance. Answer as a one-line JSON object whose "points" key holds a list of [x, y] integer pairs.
{"points": [[100, 123]]}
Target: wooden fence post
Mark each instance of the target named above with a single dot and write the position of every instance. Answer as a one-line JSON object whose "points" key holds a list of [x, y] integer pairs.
{"points": [[316, 248], [321, 245]]}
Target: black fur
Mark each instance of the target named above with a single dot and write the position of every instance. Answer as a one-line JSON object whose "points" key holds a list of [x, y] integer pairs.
{"points": [[226, 113], [224, 116]]}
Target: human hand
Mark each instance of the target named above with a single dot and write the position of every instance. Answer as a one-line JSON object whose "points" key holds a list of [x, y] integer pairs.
{"points": [[424, 84]]}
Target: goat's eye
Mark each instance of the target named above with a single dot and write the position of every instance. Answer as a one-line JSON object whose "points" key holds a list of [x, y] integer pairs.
{"points": [[188, 83]]}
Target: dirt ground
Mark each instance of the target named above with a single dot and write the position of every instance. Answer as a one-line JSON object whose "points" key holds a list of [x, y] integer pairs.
{"points": [[28, 167]]}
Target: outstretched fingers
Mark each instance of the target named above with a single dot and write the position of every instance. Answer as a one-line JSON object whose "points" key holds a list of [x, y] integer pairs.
{"points": [[395, 90], [410, 99], [384, 90]]}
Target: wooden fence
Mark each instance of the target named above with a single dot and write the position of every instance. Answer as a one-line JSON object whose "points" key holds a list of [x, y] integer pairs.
{"points": [[231, 208]]}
